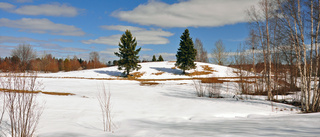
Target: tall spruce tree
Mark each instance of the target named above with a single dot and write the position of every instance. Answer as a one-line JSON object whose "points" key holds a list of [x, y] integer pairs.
{"points": [[160, 58], [128, 53], [154, 58], [186, 54]]}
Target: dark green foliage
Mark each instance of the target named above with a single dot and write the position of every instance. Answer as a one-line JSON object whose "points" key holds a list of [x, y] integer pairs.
{"points": [[160, 58], [115, 62], [154, 58], [186, 54], [128, 53], [80, 60]]}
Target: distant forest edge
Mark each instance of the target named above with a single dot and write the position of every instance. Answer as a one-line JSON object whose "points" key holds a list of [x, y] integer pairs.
{"points": [[24, 58]]}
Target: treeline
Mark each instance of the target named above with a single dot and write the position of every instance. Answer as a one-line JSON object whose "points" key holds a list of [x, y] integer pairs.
{"points": [[24, 59], [283, 40]]}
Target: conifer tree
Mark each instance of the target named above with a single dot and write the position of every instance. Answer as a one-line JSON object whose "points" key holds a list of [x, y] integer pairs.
{"points": [[160, 58], [128, 53], [154, 58], [186, 54]]}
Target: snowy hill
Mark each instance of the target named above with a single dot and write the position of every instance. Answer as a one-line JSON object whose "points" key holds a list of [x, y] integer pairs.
{"points": [[168, 108], [149, 69]]}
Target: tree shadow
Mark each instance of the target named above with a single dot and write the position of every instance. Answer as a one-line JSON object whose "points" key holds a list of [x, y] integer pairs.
{"points": [[168, 70], [111, 73]]}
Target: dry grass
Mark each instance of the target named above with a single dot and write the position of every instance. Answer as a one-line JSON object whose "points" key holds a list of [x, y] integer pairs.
{"points": [[135, 75], [58, 93], [196, 73], [212, 80], [206, 71], [173, 67], [146, 83], [207, 68], [158, 73], [244, 81], [43, 92]]}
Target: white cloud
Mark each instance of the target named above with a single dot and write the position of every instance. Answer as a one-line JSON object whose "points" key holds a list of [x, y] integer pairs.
{"points": [[54, 9], [50, 46], [74, 49], [10, 39], [6, 6], [23, 1], [41, 26], [191, 13], [63, 40], [5, 50], [58, 47], [110, 40], [48, 10], [143, 36], [110, 51], [121, 28]]}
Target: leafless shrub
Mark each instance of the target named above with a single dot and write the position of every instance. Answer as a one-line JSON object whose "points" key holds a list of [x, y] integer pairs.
{"points": [[214, 90], [104, 99], [22, 108], [200, 88], [2, 109]]}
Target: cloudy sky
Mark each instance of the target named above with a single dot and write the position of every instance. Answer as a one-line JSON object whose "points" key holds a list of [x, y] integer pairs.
{"points": [[66, 28]]}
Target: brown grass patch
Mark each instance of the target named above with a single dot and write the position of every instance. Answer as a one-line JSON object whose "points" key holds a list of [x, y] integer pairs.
{"points": [[58, 93], [135, 75], [211, 80], [173, 67], [244, 81], [158, 73], [207, 68], [196, 73], [145, 83], [37, 92]]}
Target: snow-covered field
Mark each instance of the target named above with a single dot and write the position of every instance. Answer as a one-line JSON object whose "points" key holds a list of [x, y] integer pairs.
{"points": [[170, 108]]}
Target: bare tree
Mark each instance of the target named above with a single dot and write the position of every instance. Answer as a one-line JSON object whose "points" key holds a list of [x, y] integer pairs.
{"points": [[104, 99], [219, 55], [240, 59], [265, 4], [3, 107], [25, 53], [316, 17], [199, 87], [94, 56], [261, 20], [202, 55], [214, 90], [253, 42], [21, 105]]}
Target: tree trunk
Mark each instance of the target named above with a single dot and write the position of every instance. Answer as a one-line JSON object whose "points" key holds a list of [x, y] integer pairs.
{"points": [[270, 96]]}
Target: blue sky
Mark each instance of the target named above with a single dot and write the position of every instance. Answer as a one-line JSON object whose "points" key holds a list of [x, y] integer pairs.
{"points": [[66, 28]]}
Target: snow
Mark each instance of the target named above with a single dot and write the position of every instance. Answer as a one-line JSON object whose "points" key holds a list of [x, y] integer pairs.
{"points": [[170, 108]]}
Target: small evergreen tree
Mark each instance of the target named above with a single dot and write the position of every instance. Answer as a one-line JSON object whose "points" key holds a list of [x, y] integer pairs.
{"points": [[154, 58], [160, 58], [186, 54], [128, 53]]}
